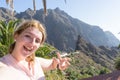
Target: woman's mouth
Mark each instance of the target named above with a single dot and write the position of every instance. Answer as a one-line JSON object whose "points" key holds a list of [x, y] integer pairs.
{"points": [[26, 48]]}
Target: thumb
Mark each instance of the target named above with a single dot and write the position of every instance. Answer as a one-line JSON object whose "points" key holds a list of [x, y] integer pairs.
{"points": [[55, 63]]}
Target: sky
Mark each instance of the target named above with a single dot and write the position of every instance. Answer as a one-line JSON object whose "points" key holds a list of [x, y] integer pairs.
{"points": [[102, 13]]}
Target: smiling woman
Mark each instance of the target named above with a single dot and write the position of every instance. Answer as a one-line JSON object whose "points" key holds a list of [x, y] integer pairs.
{"points": [[21, 60]]}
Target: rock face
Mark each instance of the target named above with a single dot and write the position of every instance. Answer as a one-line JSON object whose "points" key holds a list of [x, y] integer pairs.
{"points": [[103, 55], [5, 14], [111, 38]]}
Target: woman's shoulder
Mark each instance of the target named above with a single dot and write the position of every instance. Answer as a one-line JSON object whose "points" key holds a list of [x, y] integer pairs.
{"points": [[6, 73], [2, 61], [2, 64]]}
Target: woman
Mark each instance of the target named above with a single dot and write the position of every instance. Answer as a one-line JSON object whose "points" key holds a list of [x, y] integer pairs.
{"points": [[21, 63]]}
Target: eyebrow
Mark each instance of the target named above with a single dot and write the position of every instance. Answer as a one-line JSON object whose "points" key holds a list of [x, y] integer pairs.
{"points": [[31, 34], [28, 32]]}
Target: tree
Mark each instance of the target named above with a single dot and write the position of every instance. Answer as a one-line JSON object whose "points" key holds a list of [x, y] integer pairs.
{"points": [[11, 3]]}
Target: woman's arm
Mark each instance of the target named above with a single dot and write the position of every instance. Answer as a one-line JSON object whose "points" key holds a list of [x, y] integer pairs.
{"points": [[50, 64]]}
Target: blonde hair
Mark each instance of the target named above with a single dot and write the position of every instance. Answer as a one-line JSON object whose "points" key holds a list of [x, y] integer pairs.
{"points": [[24, 25]]}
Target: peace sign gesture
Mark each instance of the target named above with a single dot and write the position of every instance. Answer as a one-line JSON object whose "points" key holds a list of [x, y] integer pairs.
{"points": [[60, 63]]}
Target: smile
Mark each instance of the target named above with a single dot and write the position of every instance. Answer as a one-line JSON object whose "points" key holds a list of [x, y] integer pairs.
{"points": [[28, 48]]}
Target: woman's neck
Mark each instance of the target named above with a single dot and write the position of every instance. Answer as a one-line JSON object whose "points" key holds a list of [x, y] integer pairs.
{"points": [[23, 65], [18, 57]]}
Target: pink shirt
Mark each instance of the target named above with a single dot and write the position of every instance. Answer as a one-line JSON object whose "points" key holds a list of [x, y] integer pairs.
{"points": [[10, 69]]}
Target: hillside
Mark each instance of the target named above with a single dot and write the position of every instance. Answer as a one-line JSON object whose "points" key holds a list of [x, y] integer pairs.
{"points": [[102, 55], [83, 66]]}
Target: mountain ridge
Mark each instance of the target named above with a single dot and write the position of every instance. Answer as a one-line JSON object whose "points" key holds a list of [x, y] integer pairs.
{"points": [[65, 29]]}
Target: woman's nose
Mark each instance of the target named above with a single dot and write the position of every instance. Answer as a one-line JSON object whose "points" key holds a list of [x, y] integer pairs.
{"points": [[33, 41]]}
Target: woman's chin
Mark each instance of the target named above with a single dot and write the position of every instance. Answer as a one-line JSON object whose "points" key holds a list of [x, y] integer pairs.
{"points": [[27, 53]]}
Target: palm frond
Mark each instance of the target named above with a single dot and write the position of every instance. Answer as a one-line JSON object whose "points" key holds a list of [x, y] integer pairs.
{"points": [[34, 6], [65, 1], [45, 7], [6, 31], [12, 7], [11, 4], [8, 2]]}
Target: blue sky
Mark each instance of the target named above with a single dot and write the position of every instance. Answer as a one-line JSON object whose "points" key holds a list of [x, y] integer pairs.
{"points": [[103, 13]]}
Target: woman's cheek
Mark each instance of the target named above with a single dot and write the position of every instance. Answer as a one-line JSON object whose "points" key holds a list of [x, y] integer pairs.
{"points": [[26, 39], [38, 46]]}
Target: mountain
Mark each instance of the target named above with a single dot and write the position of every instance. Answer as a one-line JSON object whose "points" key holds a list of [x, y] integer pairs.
{"points": [[63, 30], [112, 38], [102, 55], [5, 14]]}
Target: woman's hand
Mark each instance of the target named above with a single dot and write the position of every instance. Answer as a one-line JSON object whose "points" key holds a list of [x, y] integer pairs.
{"points": [[60, 63]]}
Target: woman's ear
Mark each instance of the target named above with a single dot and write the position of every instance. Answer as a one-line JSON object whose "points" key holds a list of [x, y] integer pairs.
{"points": [[15, 36]]}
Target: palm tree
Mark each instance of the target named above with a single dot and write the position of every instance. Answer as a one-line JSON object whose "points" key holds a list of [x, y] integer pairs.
{"points": [[11, 3]]}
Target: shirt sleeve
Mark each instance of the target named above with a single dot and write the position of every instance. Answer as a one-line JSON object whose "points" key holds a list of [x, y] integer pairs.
{"points": [[45, 63]]}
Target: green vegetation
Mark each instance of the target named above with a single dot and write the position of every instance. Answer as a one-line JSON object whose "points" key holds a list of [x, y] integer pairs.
{"points": [[83, 67], [3, 50], [117, 63], [46, 51], [6, 33]]}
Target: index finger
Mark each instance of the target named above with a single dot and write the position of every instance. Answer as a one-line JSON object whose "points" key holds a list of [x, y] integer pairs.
{"points": [[59, 56]]}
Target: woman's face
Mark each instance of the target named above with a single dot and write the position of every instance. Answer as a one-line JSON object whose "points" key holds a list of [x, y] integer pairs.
{"points": [[28, 41]]}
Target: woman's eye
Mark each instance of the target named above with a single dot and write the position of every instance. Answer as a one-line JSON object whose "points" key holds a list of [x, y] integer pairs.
{"points": [[27, 36], [37, 41]]}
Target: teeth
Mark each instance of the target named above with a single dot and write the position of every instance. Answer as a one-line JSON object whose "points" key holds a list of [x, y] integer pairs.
{"points": [[29, 48]]}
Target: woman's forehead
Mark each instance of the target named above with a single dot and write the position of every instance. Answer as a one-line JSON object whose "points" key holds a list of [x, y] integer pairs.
{"points": [[34, 31]]}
